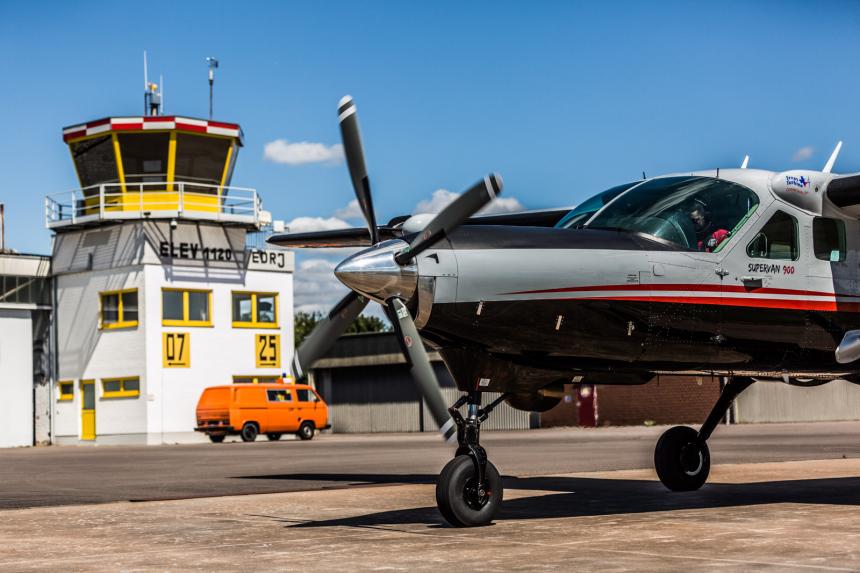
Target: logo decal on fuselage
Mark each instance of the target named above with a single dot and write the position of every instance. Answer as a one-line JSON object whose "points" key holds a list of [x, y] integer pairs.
{"points": [[799, 183]]}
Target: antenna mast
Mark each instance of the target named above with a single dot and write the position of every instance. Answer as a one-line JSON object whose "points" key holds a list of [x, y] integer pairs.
{"points": [[213, 63], [145, 85], [151, 95]]}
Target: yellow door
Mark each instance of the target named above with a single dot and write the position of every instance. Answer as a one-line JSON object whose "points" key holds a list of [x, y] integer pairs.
{"points": [[88, 410]]}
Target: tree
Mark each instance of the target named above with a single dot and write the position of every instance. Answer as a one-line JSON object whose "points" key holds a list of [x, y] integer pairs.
{"points": [[305, 322]]}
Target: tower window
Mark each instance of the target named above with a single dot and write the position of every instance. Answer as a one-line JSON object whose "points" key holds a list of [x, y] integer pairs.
{"points": [[119, 308], [186, 307]]}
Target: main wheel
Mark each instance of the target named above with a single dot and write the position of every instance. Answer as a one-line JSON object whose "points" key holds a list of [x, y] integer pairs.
{"points": [[306, 431], [216, 438], [460, 499], [249, 432], [681, 459]]}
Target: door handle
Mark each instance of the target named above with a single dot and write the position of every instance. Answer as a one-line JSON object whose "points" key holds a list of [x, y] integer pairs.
{"points": [[751, 281]]}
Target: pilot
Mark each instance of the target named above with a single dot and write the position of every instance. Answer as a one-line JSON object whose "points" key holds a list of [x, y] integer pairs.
{"points": [[707, 237]]}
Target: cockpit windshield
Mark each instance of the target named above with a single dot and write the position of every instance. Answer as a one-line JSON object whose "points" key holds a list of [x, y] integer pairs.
{"points": [[578, 216], [697, 213]]}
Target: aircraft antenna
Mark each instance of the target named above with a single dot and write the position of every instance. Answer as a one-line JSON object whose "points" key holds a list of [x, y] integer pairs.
{"points": [[643, 176], [829, 165], [718, 172], [745, 162]]}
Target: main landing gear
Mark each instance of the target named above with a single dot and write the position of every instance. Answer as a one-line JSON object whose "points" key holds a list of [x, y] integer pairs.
{"points": [[681, 458], [469, 492]]}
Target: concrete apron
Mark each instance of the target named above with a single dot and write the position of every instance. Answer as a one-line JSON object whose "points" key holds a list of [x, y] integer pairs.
{"points": [[790, 516]]}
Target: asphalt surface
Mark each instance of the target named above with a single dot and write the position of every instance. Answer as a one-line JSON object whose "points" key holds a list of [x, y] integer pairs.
{"points": [[70, 475]]}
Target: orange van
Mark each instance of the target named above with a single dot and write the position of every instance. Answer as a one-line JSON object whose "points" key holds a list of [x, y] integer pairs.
{"points": [[252, 409]]}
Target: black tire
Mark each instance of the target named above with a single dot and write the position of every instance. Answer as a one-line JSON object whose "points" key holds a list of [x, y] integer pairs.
{"points": [[306, 431], [249, 432], [453, 498], [216, 438], [681, 459], [273, 437]]}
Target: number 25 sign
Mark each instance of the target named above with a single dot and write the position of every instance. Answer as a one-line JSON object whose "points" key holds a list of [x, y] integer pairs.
{"points": [[267, 350]]}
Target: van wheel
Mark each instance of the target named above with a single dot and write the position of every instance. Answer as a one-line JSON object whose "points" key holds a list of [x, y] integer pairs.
{"points": [[273, 437], [216, 438], [306, 431], [249, 432]]}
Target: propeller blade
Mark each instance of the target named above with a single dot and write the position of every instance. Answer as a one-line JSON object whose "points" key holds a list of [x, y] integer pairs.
{"points": [[453, 216], [420, 367], [355, 161], [326, 332], [358, 237]]}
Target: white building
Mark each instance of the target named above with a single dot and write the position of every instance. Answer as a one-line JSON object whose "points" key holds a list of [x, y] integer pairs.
{"points": [[25, 310], [157, 293]]}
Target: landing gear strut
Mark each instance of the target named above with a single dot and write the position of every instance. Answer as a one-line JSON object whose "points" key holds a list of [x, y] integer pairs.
{"points": [[681, 458], [469, 492]]}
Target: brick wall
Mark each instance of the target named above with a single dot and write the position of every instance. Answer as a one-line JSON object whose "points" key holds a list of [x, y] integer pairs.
{"points": [[664, 400], [667, 400]]}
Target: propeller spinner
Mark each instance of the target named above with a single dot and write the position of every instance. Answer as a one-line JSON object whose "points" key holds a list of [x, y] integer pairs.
{"points": [[386, 272]]}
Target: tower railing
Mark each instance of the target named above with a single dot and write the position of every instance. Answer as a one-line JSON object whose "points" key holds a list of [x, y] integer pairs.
{"points": [[155, 200]]}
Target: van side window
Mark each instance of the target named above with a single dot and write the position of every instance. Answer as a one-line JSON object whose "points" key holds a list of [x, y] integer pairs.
{"points": [[828, 239], [279, 396], [777, 239], [306, 395]]}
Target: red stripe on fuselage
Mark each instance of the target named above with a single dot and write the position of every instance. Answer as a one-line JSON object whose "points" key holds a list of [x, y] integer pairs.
{"points": [[825, 306], [683, 287]]}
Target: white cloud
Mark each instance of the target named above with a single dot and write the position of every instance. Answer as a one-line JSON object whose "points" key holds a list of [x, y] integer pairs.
{"points": [[441, 198], [803, 153], [316, 289], [302, 152], [313, 224], [351, 211]]}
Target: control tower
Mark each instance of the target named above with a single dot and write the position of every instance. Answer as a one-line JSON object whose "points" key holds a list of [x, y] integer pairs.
{"points": [[158, 294]]}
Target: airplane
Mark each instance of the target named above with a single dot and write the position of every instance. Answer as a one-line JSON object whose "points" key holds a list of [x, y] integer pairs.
{"points": [[744, 274]]}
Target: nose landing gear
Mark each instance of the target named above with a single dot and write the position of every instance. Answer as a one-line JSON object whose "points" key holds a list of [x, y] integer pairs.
{"points": [[681, 458], [469, 491]]}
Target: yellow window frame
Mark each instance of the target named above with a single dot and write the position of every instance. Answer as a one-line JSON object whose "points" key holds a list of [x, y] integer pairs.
{"points": [[255, 323], [263, 379], [185, 321], [122, 392], [120, 323], [66, 396]]}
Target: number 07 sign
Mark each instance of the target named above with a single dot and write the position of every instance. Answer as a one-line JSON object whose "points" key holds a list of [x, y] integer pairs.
{"points": [[176, 349]]}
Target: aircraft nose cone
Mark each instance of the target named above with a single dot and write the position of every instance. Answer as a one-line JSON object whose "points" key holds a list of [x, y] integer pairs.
{"points": [[375, 274]]}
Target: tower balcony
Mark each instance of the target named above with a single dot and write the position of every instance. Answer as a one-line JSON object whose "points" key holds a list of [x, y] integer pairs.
{"points": [[191, 200]]}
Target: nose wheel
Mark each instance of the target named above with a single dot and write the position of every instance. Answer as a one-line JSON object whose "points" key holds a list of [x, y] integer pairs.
{"points": [[682, 458], [469, 491]]}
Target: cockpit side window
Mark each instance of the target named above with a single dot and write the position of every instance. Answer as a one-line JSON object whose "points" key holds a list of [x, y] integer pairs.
{"points": [[695, 213], [776, 240], [583, 212]]}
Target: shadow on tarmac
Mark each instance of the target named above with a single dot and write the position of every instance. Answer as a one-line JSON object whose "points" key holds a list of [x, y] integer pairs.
{"points": [[581, 497]]}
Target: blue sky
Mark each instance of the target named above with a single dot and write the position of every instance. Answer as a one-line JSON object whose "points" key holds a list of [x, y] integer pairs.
{"points": [[561, 98]]}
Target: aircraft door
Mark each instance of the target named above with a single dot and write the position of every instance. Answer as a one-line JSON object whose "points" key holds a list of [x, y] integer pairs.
{"points": [[832, 267], [764, 302], [684, 312]]}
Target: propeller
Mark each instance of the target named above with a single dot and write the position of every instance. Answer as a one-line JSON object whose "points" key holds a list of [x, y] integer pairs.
{"points": [[385, 272], [346, 114]]}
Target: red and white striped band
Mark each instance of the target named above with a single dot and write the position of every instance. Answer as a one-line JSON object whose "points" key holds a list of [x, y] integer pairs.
{"points": [[158, 122]]}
